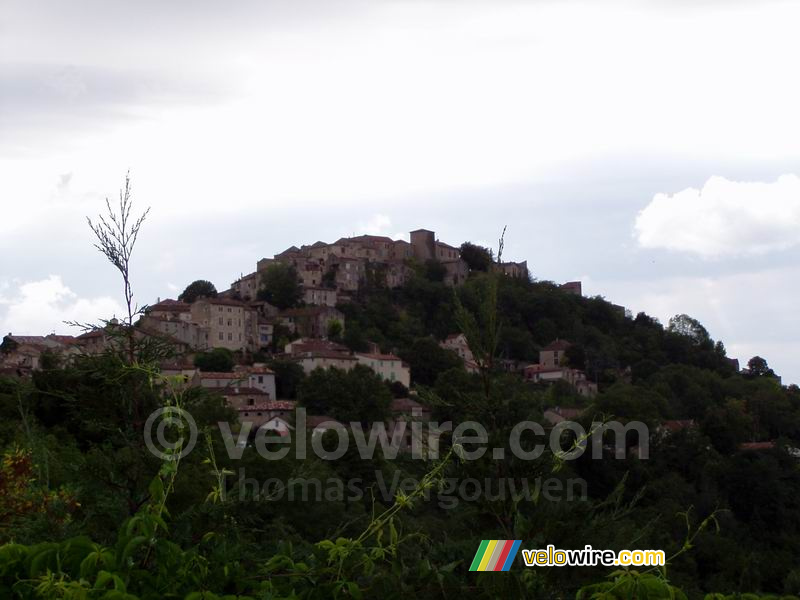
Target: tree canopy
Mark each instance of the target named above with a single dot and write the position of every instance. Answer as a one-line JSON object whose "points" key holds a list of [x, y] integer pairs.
{"points": [[197, 289], [280, 286], [477, 257]]}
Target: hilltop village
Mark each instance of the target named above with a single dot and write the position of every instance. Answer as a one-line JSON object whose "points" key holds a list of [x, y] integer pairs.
{"points": [[244, 323]]}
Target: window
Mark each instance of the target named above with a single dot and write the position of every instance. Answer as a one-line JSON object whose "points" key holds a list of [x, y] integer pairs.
{"points": [[230, 337], [260, 379], [250, 402], [220, 320], [221, 336], [229, 309]]}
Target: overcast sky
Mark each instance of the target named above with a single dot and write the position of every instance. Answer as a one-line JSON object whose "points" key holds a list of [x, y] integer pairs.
{"points": [[649, 148]]}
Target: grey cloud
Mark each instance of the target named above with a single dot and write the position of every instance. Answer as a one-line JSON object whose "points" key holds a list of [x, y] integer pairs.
{"points": [[59, 98]]}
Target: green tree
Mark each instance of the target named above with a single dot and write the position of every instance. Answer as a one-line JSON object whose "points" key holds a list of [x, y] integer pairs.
{"points": [[288, 377], [758, 367], [218, 360], [280, 286], [427, 360], [477, 257], [196, 289], [355, 395], [335, 329], [688, 327]]}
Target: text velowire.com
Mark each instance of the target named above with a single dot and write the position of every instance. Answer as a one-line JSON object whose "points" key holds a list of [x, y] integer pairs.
{"points": [[414, 439], [499, 555], [589, 557]]}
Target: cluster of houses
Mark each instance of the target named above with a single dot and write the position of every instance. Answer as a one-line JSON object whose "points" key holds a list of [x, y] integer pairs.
{"points": [[551, 367], [237, 320], [332, 272]]}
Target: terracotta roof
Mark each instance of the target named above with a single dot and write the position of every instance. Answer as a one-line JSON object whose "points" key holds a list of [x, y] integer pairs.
{"points": [[259, 371], [453, 336], [557, 345], [62, 339], [224, 301], [29, 339], [757, 446], [376, 356], [448, 246], [569, 413], [94, 333], [222, 375], [312, 344], [372, 238], [314, 421], [406, 405], [169, 305], [273, 405], [678, 425]]}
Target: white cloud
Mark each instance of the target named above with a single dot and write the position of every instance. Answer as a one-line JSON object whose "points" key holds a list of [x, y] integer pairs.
{"points": [[376, 225], [41, 307], [724, 218]]}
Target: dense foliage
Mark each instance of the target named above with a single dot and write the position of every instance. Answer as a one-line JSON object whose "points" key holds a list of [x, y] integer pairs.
{"points": [[279, 285], [198, 289], [88, 512]]}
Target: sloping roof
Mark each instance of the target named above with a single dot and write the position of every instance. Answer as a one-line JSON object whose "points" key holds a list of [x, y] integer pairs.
{"points": [[303, 345], [224, 301], [557, 345], [29, 339], [406, 405], [569, 413], [62, 339], [273, 405], [314, 421], [757, 446], [376, 356], [453, 337], [308, 311], [372, 238], [94, 333], [169, 305], [676, 425], [221, 375], [242, 391], [448, 246], [329, 354]]}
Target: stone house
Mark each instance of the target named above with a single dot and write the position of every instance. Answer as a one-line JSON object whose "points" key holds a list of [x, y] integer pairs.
{"points": [[311, 321], [320, 296], [231, 324], [390, 367]]}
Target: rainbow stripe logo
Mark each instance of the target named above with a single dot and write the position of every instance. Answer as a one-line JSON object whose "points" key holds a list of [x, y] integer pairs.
{"points": [[495, 555]]}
